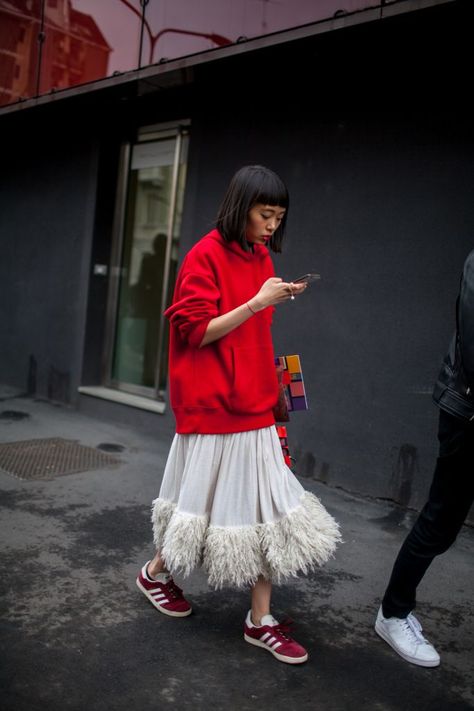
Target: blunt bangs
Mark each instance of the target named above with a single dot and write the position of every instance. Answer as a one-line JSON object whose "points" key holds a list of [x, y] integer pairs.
{"points": [[251, 185], [272, 192]]}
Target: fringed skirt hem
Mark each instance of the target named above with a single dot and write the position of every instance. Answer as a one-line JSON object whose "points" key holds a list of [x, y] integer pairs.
{"points": [[306, 537]]}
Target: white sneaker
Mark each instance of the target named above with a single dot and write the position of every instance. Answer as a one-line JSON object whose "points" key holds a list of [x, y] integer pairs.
{"points": [[404, 636]]}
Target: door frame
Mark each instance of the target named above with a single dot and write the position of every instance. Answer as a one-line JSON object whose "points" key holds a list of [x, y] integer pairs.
{"points": [[180, 131]]}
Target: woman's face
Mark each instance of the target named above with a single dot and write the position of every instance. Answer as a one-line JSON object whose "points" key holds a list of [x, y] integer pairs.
{"points": [[262, 221]]}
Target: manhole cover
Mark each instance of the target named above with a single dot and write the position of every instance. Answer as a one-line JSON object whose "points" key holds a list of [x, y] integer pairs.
{"points": [[47, 458]]}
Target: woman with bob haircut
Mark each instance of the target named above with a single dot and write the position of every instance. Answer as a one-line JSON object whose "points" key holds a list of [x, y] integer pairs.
{"points": [[228, 501]]}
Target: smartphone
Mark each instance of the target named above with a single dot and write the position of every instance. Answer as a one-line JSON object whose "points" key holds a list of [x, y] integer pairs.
{"points": [[308, 278]]}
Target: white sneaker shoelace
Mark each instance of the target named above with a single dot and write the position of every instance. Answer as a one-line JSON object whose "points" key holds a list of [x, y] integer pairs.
{"points": [[413, 629]]}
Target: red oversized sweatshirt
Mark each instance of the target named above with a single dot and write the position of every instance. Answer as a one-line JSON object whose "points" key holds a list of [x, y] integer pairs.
{"points": [[229, 385]]}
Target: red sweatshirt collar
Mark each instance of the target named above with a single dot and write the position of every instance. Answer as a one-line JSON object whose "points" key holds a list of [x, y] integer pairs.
{"points": [[259, 251]]}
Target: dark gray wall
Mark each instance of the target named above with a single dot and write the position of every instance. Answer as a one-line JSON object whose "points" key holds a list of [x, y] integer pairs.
{"points": [[46, 216], [393, 223]]}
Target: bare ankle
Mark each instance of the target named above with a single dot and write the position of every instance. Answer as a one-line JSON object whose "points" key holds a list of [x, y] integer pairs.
{"points": [[256, 618], [155, 567]]}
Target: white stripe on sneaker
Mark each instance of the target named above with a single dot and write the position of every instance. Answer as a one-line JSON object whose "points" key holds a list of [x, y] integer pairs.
{"points": [[270, 641], [265, 636], [162, 603]]}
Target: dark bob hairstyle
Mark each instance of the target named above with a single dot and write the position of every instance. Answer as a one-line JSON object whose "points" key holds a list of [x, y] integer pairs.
{"points": [[251, 185]]}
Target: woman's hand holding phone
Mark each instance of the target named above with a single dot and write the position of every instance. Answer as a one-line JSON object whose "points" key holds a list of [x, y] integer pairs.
{"points": [[275, 290]]}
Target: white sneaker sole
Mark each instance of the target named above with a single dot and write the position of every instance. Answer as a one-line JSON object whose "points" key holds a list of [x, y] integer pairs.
{"points": [[280, 657], [419, 662], [170, 613]]}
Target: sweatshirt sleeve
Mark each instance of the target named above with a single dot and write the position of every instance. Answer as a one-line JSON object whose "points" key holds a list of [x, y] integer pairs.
{"points": [[466, 319], [195, 301]]}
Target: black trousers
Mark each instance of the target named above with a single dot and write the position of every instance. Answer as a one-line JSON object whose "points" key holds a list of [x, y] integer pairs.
{"points": [[450, 498]]}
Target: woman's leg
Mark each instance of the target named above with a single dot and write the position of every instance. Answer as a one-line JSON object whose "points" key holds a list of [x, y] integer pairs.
{"points": [[261, 594], [273, 636]]}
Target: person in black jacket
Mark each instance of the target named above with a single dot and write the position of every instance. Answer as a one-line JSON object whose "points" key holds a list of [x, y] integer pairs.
{"points": [[451, 493]]}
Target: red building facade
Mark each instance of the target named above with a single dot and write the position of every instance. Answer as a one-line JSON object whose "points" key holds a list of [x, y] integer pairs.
{"points": [[47, 47]]}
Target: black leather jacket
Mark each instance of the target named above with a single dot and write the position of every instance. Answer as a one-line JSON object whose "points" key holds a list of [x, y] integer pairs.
{"points": [[454, 389]]}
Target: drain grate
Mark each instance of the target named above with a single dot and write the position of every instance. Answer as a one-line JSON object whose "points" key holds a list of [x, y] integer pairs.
{"points": [[13, 415], [47, 458]]}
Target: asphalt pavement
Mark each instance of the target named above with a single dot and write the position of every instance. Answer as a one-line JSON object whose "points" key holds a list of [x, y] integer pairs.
{"points": [[77, 634]]}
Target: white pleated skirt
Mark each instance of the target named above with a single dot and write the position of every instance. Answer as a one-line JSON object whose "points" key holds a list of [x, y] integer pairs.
{"points": [[229, 503]]}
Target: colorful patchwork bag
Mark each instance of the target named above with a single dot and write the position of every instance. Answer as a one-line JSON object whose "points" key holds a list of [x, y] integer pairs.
{"points": [[291, 396]]}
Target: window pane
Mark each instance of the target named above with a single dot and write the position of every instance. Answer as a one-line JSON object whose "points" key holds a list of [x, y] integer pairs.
{"points": [[19, 30], [175, 28], [88, 40]]}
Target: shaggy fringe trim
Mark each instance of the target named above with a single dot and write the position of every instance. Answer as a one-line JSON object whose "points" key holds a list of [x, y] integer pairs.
{"points": [[234, 556], [179, 537], [237, 555], [161, 512], [305, 539], [184, 542]]}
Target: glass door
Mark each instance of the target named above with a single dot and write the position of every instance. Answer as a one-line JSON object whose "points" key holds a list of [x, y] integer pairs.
{"points": [[146, 257]]}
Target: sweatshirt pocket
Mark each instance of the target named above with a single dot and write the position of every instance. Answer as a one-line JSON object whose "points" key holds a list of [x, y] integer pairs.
{"points": [[254, 383]]}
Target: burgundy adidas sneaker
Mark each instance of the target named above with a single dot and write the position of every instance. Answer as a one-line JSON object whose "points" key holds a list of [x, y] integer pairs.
{"points": [[272, 636], [166, 596]]}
